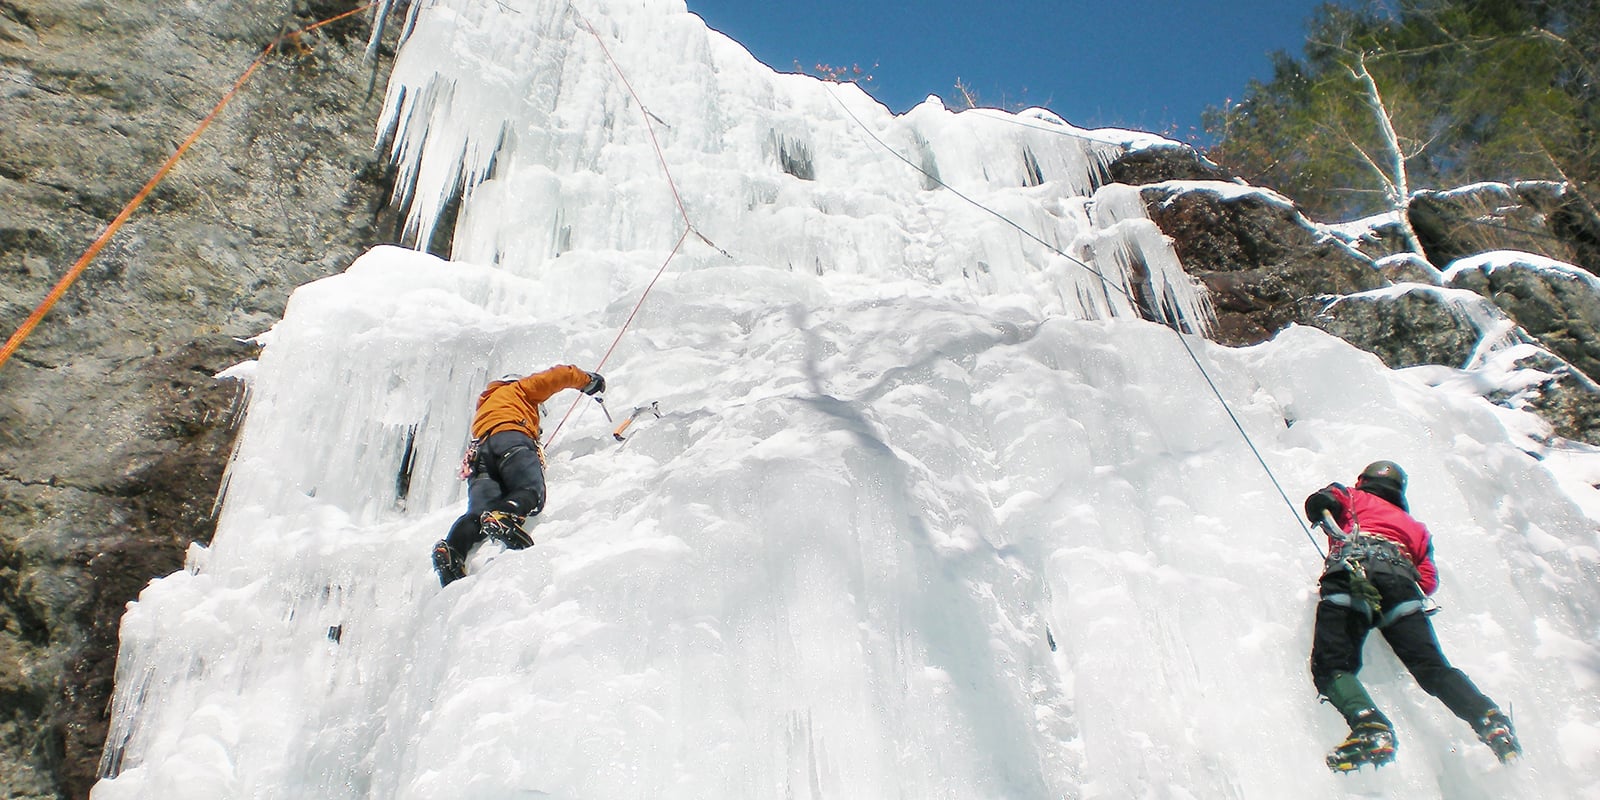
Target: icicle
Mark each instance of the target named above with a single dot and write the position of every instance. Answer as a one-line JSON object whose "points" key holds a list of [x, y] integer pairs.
{"points": [[914, 507]]}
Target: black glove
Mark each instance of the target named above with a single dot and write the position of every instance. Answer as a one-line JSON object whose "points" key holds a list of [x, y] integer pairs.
{"points": [[597, 384], [1320, 502]]}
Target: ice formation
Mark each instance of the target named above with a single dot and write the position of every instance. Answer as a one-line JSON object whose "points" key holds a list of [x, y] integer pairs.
{"points": [[934, 509]]}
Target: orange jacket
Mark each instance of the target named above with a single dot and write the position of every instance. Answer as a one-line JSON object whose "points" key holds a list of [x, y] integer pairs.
{"points": [[514, 405]]}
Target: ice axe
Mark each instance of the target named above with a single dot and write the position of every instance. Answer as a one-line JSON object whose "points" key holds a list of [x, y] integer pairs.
{"points": [[653, 408]]}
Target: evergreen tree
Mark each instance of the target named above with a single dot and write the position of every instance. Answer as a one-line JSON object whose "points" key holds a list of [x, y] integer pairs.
{"points": [[1421, 93]]}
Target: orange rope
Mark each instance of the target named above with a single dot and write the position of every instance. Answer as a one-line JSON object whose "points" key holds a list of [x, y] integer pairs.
{"points": [[676, 197], [662, 157], [82, 263], [624, 328]]}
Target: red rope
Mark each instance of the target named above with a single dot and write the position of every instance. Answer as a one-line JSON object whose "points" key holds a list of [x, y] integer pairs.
{"points": [[624, 328], [99, 244], [661, 156]]}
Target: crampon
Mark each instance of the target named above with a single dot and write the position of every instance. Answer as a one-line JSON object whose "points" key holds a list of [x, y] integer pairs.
{"points": [[1369, 743]]}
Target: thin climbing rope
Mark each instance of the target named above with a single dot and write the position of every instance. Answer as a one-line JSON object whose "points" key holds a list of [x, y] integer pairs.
{"points": [[623, 329], [99, 244], [1215, 391], [689, 227], [645, 111], [688, 224]]}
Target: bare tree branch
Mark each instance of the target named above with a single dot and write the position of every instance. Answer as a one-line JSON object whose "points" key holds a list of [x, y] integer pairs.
{"points": [[1394, 175]]}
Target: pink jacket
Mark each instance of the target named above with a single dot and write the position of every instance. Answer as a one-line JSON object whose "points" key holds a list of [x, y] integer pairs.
{"points": [[1379, 517]]}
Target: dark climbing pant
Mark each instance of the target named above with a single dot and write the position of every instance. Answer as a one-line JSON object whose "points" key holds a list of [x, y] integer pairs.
{"points": [[1341, 631], [507, 475]]}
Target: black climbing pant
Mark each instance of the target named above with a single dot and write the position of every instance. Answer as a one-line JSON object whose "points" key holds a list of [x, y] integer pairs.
{"points": [[507, 475], [1341, 630]]}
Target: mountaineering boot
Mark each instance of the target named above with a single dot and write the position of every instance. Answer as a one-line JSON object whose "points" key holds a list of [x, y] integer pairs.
{"points": [[1371, 741], [506, 528], [1495, 730], [447, 563]]}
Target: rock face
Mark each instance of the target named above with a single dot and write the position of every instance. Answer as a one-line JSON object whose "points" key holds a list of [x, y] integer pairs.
{"points": [[1530, 216], [113, 432], [1255, 253], [1159, 164], [1408, 328], [1418, 324], [1559, 307], [1267, 266]]}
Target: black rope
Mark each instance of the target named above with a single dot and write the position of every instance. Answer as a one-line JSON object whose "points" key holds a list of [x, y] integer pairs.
{"points": [[1215, 391], [1251, 443], [997, 215]]}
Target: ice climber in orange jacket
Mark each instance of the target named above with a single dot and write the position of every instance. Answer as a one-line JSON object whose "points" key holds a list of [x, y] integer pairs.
{"points": [[504, 467]]}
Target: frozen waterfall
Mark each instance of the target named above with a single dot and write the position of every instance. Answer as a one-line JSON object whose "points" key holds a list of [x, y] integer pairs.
{"points": [[934, 509]]}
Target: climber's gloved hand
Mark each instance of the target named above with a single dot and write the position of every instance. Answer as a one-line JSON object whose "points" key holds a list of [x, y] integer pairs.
{"points": [[1320, 502], [597, 384]]}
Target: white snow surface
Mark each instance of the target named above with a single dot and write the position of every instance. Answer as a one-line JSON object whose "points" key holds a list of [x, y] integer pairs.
{"points": [[1226, 191], [1364, 226], [1516, 259], [931, 512]]}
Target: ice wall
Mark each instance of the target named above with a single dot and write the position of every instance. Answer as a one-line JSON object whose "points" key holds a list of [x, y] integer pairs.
{"points": [[531, 112], [930, 512]]}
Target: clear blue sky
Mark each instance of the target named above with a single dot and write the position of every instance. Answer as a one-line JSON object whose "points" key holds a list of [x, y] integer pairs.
{"points": [[1146, 64]]}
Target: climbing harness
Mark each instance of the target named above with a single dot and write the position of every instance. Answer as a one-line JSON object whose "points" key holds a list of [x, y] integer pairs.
{"points": [[469, 459], [472, 466], [1363, 555]]}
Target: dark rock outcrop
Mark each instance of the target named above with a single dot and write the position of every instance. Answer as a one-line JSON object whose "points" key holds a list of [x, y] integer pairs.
{"points": [[1570, 405], [1260, 259], [1171, 163], [113, 432], [1424, 324], [1266, 266], [1531, 216], [1408, 328], [1559, 307]]}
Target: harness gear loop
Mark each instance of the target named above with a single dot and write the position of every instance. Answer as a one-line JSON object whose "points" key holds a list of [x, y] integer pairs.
{"points": [[472, 466], [1363, 555], [469, 460], [1346, 555]]}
